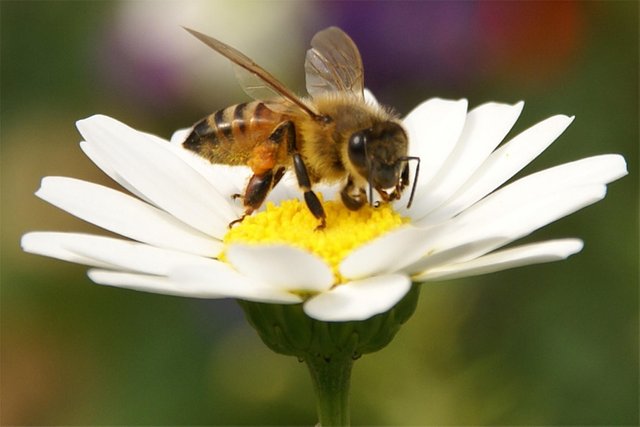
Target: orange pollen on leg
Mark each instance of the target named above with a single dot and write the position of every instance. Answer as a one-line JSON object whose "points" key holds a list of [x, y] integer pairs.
{"points": [[263, 158]]}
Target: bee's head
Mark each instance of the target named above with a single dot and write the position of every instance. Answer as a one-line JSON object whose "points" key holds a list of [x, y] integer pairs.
{"points": [[376, 153]]}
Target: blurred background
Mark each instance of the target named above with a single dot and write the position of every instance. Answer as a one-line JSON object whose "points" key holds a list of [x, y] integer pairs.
{"points": [[554, 344]]}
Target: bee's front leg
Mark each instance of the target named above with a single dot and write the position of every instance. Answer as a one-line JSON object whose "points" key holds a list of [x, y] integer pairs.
{"points": [[353, 197], [403, 181]]}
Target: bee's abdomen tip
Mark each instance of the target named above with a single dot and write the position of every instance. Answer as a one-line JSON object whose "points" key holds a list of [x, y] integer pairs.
{"points": [[193, 142], [201, 131]]}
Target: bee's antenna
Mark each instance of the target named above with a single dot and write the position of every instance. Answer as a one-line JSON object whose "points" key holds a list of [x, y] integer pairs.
{"points": [[415, 176]]}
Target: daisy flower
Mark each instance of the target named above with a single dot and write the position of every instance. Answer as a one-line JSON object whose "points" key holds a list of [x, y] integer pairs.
{"points": [[174, 218], [325, 296]]}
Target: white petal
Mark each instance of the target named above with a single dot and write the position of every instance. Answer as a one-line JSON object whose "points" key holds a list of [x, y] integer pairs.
{"points": [[358, 300], [223, 280], [434, 128], [399, 249], [485, 127], [197, 281], [503, 163], [108, 252], [581, 173], [387, 253], [160, 175], [227, 180], [131, 256], [125, 215], [518, 220], [282, 266], [148, 283], [105, 160], [467, 250], [50, 244], [536, 253], [179, 136], [470, 236]]}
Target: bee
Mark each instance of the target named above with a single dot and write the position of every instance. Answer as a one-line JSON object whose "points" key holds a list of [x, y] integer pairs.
{"points": [[334, 136]]}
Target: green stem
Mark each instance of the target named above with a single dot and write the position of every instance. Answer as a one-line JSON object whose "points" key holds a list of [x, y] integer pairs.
{"points": [[331, 379]]}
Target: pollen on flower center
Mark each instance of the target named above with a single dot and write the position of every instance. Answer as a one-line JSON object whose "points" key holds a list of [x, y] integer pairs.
{"points": [[292, 223]]}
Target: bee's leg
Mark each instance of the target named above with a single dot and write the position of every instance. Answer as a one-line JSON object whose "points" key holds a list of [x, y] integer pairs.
{"points": [[402, 183], [256, 192], [352, 200], [302, 176], [278, 176], [276, 179], [404, 178]]}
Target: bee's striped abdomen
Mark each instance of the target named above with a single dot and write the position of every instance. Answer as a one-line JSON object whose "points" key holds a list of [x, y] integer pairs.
{"points": [[228, 135]]}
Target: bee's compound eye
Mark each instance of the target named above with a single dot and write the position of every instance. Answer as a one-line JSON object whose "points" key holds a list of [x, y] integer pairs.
{"points": [[357, 149]]}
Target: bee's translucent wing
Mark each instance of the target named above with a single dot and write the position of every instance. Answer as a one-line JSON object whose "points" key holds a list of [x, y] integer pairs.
{"points": [[333, 64], [256, 88], [254, 69]]}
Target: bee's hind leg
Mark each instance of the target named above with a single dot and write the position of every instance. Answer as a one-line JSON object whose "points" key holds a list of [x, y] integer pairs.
{"points": [[256, 192], [255, 182]]}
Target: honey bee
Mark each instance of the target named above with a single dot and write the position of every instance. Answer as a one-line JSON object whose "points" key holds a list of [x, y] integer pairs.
{"points": [[334, 136]]}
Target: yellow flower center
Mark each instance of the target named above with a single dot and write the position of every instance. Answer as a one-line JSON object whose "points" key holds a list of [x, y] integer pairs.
{"points": [[291, 223]]}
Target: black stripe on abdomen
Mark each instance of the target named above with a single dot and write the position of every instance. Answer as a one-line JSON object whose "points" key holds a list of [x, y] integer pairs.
{"points": [[238, 117], [223, 125], [260, 111]]}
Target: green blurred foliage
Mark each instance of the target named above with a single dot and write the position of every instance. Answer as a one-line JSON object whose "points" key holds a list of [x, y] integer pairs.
{"points": [[554, 344]]}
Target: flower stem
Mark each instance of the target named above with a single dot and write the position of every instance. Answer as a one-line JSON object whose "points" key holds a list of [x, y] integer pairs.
{"points": [[331, 379]]}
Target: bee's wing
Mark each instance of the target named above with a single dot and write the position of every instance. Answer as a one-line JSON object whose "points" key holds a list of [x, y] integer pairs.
{"points": [[260, 78], [256, 88], [333, 64]]}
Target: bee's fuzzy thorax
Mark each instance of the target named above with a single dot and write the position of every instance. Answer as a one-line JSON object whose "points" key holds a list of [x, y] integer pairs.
{"points": [[325, 147]]}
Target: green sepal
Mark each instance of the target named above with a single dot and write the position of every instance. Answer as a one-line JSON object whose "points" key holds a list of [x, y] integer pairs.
{"points": [[286, 329]]}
